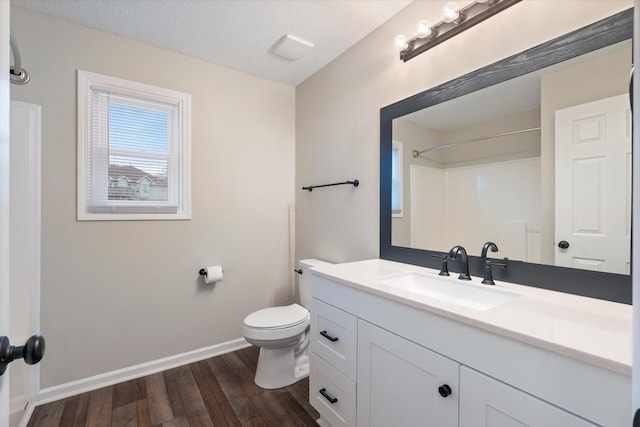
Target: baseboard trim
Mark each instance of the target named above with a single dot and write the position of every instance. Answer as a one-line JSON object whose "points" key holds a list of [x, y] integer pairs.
{"points": [[26, 416], [84, 385]]}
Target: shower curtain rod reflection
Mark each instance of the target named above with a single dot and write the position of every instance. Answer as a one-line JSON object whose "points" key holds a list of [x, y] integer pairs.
{"points": [[416, 153], [18, 75]]}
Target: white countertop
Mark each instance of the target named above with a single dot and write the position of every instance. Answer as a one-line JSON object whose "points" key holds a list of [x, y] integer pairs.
{"points": [[591, 330]]}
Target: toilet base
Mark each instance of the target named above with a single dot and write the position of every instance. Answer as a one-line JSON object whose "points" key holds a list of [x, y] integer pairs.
{"points": [[278, 367]]}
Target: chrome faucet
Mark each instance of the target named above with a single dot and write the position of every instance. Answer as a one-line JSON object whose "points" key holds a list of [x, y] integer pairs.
{"points": [[464, 261]]}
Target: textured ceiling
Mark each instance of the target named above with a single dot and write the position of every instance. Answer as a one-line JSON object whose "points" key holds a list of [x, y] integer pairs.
{"points": [[238, 34]]}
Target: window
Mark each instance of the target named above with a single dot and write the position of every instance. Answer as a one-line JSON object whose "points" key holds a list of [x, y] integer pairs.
{"points": [[396, 179], [133, 150]]}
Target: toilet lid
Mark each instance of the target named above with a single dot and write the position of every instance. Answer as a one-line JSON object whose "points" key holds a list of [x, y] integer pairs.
{"points": [[277, 317]]}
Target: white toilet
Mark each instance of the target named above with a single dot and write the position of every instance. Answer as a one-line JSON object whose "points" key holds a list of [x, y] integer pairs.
{"points": [[282, 333]]}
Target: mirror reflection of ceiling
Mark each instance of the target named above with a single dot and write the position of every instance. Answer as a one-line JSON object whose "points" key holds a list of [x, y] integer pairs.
{"points": [[509, 106], [515, 95]]}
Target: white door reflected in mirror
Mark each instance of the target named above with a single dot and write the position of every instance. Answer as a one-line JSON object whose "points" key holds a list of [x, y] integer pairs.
{"points": [[593, 186]]}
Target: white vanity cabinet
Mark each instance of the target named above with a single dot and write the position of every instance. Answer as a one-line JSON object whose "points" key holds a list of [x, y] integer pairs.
{"points": [[491, 403], [403, 384], [380, 360]]}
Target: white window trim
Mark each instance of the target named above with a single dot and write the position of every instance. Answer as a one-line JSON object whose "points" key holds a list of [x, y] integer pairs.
{"points": [[397, 145], [87, 80]]}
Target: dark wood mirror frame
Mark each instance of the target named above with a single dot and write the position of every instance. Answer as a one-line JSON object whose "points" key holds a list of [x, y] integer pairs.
{"points": [[607, 286]]}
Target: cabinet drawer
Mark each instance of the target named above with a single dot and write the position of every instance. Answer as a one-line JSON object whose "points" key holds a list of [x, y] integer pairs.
{"points": [[334, 335], [331, 393]]}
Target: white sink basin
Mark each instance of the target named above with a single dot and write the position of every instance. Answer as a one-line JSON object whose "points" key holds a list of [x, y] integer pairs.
{"points": [[451, 290]]}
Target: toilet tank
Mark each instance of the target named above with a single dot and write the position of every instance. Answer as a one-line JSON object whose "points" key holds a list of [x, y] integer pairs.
{"points": [[304, 279]]}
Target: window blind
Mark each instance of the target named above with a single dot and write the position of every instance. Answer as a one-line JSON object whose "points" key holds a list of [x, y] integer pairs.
{"points": [[133, 154]]}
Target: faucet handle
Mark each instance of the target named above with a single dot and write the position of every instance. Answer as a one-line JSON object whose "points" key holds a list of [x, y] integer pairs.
{"points": [[444, 270], [488, 274]]}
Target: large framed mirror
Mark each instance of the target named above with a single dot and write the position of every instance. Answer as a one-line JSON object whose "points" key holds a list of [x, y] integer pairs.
{"points": [[532, 153]]}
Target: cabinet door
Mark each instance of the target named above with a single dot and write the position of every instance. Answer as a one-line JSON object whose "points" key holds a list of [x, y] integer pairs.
{"points": [[485, 401], [399, 382]]}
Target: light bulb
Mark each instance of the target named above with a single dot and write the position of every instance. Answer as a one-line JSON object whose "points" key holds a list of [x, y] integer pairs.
{"points": [[450, 12], [424, 28], [401, 42]]}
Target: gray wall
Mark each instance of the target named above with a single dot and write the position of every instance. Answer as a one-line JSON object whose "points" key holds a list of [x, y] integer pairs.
{"points": [[337, 110], [116, 294]]}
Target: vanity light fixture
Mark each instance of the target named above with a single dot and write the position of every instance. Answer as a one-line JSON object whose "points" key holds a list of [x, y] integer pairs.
{"points": [[454, 21], [424, 28], [451, 13]]}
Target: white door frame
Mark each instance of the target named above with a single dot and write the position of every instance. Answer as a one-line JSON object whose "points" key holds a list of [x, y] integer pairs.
{"points": [[635, 237], [4, 195], [24, 268]]}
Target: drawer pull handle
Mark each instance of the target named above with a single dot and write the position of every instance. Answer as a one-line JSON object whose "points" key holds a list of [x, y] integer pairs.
{"points": [[329, 337], [331, 399], [444, 390]]}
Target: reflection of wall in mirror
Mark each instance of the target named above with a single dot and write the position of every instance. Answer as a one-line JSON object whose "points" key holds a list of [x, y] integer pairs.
{"points": [[495, 149], [412, 137]]}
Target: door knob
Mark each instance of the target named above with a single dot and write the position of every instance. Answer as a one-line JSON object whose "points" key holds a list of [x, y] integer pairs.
{"points": [[32, 351], [563, 244]]}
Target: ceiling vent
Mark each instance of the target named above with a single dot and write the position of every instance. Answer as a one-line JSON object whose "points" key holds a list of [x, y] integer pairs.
{"points": [[291, 47]]}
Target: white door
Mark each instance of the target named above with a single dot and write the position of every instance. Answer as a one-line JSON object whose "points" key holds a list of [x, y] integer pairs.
{"points": [[403, 384], [24, 244], [593, 186]]}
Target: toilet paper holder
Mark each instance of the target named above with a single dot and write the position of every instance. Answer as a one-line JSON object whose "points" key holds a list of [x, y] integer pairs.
{"points": [[212, 274]]}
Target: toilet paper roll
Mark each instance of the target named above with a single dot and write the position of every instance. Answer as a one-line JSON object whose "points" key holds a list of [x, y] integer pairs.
{"points": [[213, 274]]}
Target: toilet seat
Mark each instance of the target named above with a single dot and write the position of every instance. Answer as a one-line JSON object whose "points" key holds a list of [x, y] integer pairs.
{"points": [[276, 323], [277, 317]]}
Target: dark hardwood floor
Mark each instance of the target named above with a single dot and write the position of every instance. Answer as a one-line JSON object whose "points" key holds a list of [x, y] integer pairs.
{"points": [[219, 391]]}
